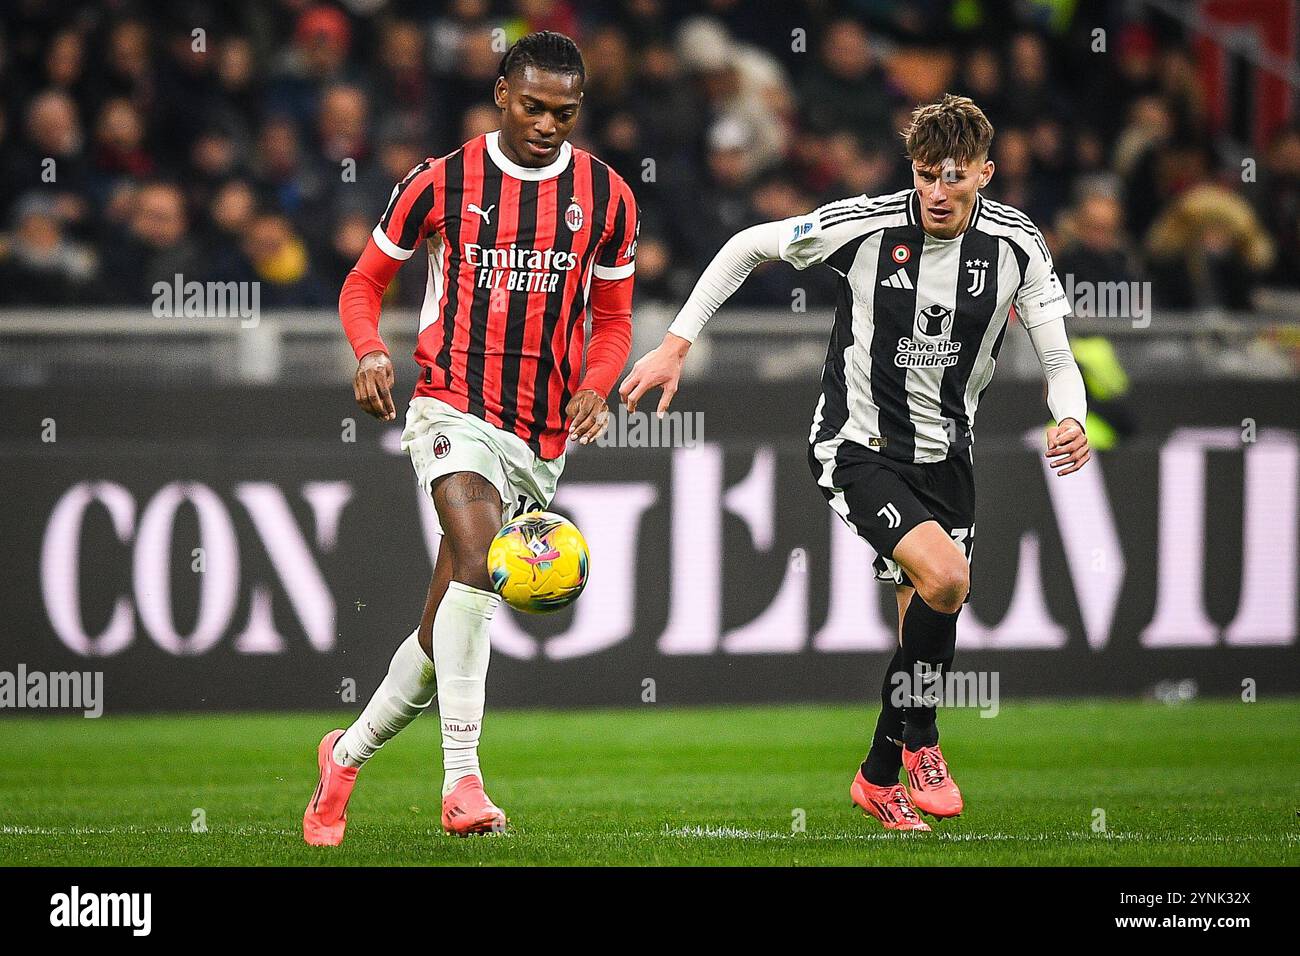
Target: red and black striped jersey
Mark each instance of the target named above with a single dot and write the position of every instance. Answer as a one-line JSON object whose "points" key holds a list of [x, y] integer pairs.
{"points": [[512, 253]]}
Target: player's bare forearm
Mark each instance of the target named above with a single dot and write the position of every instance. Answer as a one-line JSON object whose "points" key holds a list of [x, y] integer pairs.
{"points": [[1067, 446], [660, 367]]}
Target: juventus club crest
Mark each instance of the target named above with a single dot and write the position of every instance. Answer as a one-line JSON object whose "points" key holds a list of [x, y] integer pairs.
{"points": [[976, 269]]}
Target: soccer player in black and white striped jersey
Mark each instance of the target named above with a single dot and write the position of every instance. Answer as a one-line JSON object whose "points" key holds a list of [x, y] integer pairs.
{"points": [[928, 278]]}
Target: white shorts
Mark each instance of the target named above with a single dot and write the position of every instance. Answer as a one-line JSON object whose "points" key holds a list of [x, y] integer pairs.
{"points": [[442, 440]]}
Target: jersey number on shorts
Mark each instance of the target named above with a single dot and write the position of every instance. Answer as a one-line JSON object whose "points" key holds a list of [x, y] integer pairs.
{"points": [[524, 505], [965, 538]]}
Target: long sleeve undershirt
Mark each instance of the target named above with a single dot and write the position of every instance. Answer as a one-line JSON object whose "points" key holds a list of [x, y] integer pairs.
{"points": [[743, 252]]}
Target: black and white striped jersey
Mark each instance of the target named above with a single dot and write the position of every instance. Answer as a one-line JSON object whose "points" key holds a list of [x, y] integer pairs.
{"points": [[918, 320]]}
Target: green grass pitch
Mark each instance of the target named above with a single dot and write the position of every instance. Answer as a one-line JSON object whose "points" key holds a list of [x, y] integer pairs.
{"points": [[1204, 783]]}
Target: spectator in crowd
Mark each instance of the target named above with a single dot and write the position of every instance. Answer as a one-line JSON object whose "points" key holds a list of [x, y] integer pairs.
{"points": [[155, 247], [1134, 77], [1055, 161], [402, 80], [342, 125], [281, 264], [860, 168], [1142, 143], [1276, 197], [1035, 96], [845, 90], [297, 116], [742, 84], [241, 90], [479, 119], [654, 272], [607, 93], [1096, 246], [469, 81], [347, 241], [215, 159], [449, 33], [709, 218], [118, 150], [230, 212], [52, 156], [1015, 181], [128, 67], [317, 59], [38, 263], [1208, 250], [295, 183], [981, 80], [666, 109], [65, 64]]}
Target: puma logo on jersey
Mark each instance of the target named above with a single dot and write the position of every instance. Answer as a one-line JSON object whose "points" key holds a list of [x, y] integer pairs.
{"points": [[899, 280], [890, 514], [485, 213]]}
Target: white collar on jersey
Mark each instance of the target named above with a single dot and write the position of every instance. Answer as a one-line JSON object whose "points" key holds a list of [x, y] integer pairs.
{"points": [[527, 172]]}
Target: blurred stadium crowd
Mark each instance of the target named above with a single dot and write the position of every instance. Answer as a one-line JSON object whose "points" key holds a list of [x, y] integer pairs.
{"points": [[228, 153]]}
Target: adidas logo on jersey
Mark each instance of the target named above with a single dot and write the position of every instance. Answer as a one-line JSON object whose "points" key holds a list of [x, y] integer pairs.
{"points": [[899, 280]]}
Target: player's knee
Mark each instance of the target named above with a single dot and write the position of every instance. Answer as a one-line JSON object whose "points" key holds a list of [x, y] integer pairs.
{"points": [[945, 589]]}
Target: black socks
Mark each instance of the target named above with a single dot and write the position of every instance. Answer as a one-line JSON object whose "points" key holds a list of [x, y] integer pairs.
{"points": [[908, 705], [886, 755], [929, 643]]}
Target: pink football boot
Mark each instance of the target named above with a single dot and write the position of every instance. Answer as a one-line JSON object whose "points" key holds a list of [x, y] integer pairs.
{"points": [[467, 810], [327, 813], [930, 785]]}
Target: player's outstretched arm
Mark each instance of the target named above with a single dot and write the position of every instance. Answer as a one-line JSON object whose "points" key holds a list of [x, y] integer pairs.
{"points": [[1067, 442], [662, 367]]}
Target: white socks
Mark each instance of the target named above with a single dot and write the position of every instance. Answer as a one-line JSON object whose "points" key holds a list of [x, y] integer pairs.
{"points": [[460, 653], [401, 697]]}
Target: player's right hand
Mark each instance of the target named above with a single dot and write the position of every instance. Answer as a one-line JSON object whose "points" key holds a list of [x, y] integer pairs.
{"points": [[372, 386], [659, 367]]}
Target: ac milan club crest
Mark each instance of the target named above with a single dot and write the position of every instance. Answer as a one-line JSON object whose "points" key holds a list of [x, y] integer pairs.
{"points": [[573, 217], [441, 446]]}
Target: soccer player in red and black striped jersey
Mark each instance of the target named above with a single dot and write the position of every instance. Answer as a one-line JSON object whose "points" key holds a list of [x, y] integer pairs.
{"points": [[524, 232]]}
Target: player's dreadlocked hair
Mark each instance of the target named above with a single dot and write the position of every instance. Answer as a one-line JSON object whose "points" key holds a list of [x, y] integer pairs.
{"points": [[545, 50], [952, 130]]}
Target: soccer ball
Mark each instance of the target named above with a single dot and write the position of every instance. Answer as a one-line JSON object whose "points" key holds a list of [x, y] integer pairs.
{"points": [[538, 562]]}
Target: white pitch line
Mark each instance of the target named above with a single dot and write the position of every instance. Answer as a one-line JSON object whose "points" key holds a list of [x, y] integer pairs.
{"points": [[740, 833], [137, 830]]}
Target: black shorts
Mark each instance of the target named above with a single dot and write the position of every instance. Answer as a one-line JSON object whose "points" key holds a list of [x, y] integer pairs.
{"points": [[882, 499]]}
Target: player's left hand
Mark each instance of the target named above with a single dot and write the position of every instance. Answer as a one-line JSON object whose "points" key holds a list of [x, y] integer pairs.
{"points": [[1067, 446], [588, 415]]}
